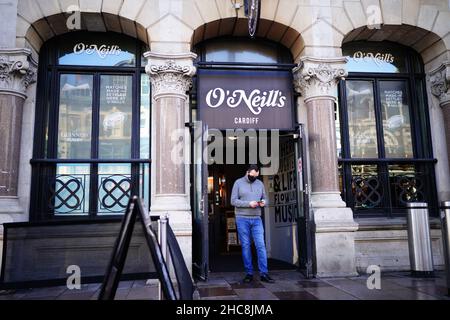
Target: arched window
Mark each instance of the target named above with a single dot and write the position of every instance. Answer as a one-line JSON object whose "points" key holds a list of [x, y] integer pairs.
{"points": [[243, 51], [92, 134], [384, 143]]}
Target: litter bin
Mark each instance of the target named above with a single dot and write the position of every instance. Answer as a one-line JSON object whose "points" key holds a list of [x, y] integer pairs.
{"points": [[445, 226], [419, 240]]}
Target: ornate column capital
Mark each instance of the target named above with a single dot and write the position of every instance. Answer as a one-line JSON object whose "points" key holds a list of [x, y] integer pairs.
{"points": [[440, 83], [170, 74], [17, 71], [317, 78]]}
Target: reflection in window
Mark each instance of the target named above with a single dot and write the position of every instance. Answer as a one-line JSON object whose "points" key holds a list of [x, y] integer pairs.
{"points": [[406, 184], [145, 118], [240, 51], [367, 187], [115, 117], [75, 116], [96, 49], [374, 58], [98, 54], [337, 122], [396, 120], [361, 119]]}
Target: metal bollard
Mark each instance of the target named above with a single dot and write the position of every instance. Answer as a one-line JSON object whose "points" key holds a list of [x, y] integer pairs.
{"points": [[419, 240], [445, 227], [163, 219]]}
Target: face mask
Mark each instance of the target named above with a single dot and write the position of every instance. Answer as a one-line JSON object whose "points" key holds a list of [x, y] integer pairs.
{"points": [[251, 178]]}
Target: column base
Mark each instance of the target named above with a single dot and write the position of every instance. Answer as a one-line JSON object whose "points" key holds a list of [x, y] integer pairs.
{"points": [[10, 211], [334, 230], [180, 220]]}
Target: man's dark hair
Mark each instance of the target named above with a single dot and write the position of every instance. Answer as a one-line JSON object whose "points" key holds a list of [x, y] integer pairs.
{"points": [[253, 167]]}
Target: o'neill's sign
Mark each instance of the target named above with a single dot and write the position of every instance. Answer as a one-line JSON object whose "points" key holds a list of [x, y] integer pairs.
{"points": [[230, 99]]}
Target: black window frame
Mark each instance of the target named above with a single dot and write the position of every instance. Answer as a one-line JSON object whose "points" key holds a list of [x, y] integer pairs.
{"points": [[45, 156], [423, 160]]}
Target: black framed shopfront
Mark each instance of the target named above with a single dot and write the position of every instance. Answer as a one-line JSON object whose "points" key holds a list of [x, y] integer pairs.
{"points": [[92, 132], [400, 166], [239, 69]]}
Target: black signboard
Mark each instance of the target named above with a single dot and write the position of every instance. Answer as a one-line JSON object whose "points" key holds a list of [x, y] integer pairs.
{"points": [[231, 99], [115, 267]]}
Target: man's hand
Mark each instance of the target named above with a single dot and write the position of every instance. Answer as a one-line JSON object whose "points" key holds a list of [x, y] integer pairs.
{"points": [[262, 203], [253, 204]]}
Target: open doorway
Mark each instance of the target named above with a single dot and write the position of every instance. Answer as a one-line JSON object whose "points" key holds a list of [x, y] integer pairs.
{"points": [[279, 217]]}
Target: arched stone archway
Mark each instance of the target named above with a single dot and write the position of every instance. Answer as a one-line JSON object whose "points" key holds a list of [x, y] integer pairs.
{"points": [[35, 34], [435, 53], [238, 27]]}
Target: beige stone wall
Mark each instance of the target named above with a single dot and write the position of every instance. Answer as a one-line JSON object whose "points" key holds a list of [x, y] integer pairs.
{"points": [[385, 243], [315, 28], [169, 25]]}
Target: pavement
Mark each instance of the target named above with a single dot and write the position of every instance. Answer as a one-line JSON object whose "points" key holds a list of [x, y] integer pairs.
{"points": [[289, 285]]}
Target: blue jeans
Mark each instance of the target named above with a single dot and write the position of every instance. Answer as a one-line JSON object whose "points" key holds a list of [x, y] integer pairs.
{"points": [[248, 228]]}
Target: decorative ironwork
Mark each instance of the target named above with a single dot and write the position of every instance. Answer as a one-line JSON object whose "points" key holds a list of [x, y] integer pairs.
{"points": [[114, 193], [409, 189], [367, 191], [252, 11], [66, 193]]}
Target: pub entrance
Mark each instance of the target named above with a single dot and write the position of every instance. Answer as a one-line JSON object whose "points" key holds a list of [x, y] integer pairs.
{"points": [[279, 217], [243, 114], [286, 221]]}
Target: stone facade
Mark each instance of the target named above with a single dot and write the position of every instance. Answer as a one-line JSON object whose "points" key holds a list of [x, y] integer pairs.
{"points": [[314, 31]]}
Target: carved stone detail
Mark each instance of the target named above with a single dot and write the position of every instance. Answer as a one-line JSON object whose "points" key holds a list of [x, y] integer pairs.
{"points": [[170, 75], [317, 78], [440, 83], [17, 71]]}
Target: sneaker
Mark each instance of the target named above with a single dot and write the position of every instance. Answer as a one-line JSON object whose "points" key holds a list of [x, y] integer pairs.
{"points": [[248, 278], [267, 278]]}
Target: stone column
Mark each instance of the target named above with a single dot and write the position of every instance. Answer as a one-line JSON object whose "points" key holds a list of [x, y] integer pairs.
{"points": [[171, 77], [440, 87], [316, 79], [17, 72]]}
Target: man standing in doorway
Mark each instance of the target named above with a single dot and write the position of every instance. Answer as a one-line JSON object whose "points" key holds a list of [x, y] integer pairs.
{"points": [[248, 197]]}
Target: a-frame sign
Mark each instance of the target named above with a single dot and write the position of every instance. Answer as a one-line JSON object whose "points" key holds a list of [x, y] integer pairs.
{"points": [[115, 267]]}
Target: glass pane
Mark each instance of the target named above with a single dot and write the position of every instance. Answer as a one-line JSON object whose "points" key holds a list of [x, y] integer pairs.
{"points": [[424, 138], [71, 190], [75, 116], [406, 184], [114, 188], [337, 122], [374, 57], [47, 109], [144, 183], [145, 117], [366, 187], [239, 51], [116, 101], [97, 49], [144, 60], [361, 119], [396, 120]]}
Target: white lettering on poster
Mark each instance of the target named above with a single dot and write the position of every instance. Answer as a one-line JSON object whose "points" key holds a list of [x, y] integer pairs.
{"points": [[102, 51], [255, 100], [116, 94], [285, 187], [393, 98]]}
